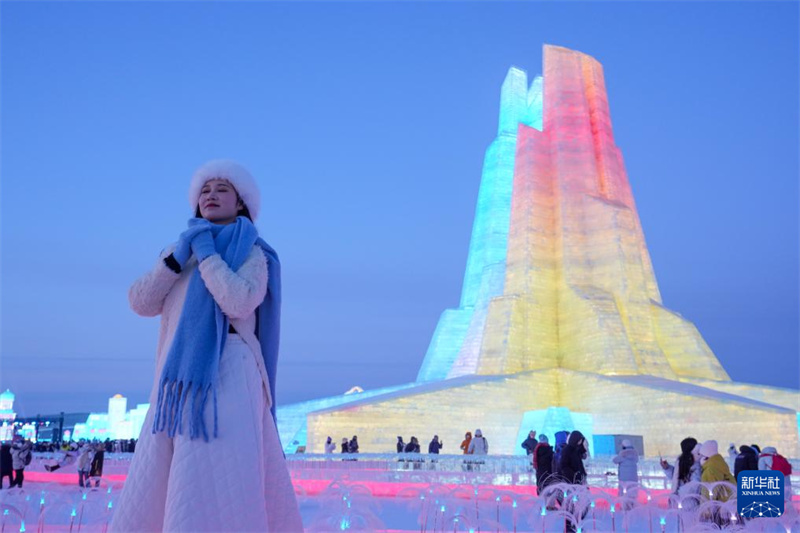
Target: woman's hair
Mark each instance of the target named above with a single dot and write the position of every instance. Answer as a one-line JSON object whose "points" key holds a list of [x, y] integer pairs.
{"points": [[243, 212], [686, 460]]}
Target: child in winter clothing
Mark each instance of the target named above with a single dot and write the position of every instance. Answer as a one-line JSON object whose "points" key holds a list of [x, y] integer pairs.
{"points": [[465, 442], [627, 465]]}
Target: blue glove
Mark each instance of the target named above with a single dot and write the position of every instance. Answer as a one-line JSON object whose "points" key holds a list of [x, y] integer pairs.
{"points": [[184, 247], [203, 246]]}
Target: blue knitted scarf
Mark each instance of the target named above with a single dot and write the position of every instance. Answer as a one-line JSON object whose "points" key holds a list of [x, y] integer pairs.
{"points": [[191, 372]]}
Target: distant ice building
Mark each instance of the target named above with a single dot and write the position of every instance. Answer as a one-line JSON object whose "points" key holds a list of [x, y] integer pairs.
{"points": [[117, 423], [7, 415]]}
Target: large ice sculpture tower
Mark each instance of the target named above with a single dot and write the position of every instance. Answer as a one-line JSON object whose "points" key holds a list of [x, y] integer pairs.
{"points": [[560, 311], [558, 273]]}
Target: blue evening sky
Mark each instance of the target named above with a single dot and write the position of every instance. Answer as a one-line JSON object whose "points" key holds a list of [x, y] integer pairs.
{"points": [[366, 125]]}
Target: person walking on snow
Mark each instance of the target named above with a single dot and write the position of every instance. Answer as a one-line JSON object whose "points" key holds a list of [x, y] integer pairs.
{"points": [[627, 462], [218, 291], [85, 458], [21, 456]]}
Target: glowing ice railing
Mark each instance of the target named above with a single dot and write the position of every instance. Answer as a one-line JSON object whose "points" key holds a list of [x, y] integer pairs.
{"points": [[490, 469], [343, 505]]}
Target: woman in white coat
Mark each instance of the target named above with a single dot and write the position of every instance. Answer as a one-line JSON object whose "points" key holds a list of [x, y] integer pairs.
{"points": [[209, 457]]}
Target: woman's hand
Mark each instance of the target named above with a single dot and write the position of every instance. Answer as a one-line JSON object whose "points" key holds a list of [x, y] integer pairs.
{"points": [[183, 250], [203, 245]]}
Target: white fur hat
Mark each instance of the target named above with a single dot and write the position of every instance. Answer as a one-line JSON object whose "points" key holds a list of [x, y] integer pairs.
{"points": [[236, 174], [709, 448]]}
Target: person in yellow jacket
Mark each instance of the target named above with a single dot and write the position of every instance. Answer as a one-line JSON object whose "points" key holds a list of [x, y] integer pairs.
{"points": [[715, 469]]}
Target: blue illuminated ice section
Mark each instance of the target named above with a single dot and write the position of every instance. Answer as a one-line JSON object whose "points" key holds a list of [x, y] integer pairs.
{"points": [[549, 421], [456, 341]]}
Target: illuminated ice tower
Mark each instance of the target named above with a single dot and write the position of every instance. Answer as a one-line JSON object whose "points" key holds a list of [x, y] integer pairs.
{"points": [[558, 273], [560, 310]]}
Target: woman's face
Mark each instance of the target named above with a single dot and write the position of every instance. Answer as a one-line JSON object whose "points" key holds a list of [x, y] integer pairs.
{"points": [[219, 203]]}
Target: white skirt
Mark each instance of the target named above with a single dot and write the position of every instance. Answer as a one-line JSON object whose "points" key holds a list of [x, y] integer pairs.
{"points": [[236, 482]]}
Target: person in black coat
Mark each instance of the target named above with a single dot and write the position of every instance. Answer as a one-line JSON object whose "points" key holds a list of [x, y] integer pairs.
{"points": [[352, 447], [435, 445], [530, 443], [571, 465], [96, 470], [6, 465], [746, 460], [561, 443], [412, 446], [400, 444], [543, 457]]}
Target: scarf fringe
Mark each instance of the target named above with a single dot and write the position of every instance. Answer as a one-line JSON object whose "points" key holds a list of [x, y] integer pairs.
{"points": [[173, 396]]}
